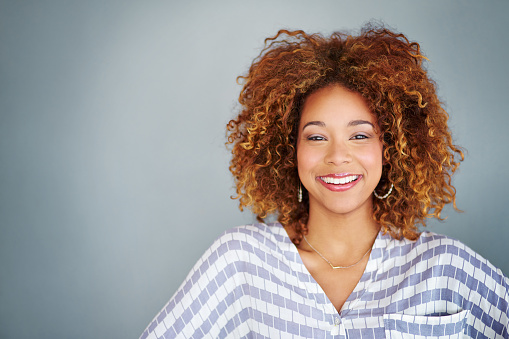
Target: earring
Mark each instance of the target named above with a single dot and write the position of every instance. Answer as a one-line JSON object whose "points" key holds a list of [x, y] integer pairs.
{"points": [[299, 196], [386, 195]]}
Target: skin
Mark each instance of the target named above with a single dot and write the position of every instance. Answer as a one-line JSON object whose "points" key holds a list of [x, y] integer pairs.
{"points": [[338, 139]]}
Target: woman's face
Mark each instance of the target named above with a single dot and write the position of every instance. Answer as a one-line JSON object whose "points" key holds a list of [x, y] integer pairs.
{"points": [[339, 152]]}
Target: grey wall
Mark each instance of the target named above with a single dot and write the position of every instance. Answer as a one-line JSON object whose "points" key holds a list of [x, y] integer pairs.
{"points": [[113, 170]]}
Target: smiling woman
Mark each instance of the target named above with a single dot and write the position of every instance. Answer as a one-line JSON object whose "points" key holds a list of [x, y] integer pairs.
{"points": [[345, 141], [339, 161], [338, 151]]}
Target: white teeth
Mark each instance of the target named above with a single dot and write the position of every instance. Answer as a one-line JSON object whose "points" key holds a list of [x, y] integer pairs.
{"points": [[339, 181]]}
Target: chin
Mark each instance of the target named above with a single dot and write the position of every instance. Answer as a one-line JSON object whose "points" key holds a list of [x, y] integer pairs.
{"points": [[348, 208]]}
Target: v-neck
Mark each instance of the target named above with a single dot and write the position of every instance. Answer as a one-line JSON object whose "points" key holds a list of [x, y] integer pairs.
{"points": [[374, 262]]}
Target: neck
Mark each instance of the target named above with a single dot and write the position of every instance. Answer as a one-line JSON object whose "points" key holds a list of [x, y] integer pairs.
{"points": [[341, 235]]}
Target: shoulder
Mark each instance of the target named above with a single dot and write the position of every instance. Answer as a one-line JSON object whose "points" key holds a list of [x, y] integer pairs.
{"points": [[431, 245], [269, 237], [244, 243], [241, 261], [446, 249], [439, 256], [258, 232]]}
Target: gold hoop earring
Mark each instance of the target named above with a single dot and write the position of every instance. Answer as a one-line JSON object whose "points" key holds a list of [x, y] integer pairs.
{"points": [[384, 196]]}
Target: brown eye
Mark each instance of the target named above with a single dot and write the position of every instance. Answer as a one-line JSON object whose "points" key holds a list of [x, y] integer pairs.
{"points": [[316, 138]]}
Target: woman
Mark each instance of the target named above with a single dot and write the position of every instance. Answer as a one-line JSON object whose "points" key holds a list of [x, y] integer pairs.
{"points": [[345, 141]]}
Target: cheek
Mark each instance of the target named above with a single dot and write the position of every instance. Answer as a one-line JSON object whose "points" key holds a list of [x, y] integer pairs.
{"points": [[301, 160], [306, 159], [375, 158], [372, 158]]}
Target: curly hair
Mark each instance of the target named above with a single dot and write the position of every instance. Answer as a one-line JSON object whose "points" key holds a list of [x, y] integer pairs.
{"points": [[386, 69]]}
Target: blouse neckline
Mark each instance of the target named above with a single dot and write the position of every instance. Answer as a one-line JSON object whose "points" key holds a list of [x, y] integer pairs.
{"points": [[375, 262]]}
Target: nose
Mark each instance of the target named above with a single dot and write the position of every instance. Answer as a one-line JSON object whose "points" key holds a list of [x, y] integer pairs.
{"points": [[338, 153]]}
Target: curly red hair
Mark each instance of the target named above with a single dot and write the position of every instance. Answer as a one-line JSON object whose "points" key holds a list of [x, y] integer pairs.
{"points": [[386, 69]]}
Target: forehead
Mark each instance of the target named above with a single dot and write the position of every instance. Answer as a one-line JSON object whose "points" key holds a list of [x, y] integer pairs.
{"points": [[335, 103]]}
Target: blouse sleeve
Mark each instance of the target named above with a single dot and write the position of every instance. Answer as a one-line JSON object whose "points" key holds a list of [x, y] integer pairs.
{"points": [[206, 302]]}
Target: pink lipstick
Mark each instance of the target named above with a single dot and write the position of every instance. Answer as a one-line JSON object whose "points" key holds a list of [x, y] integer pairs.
{"points": [[339, 182]]}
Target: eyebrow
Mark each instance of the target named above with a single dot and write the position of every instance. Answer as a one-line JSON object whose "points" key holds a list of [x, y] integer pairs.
{"points": [[350, 124], [360, 122], [314, 123]]}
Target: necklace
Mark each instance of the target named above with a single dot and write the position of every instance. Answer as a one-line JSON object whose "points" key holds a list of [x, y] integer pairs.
{"points": [[328, 262]]}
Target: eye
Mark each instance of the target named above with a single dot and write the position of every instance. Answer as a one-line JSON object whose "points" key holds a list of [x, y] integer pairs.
{"points": [[359, 137], [316, 138]]}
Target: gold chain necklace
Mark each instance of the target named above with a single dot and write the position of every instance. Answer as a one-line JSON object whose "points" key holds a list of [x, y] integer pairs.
{"points": [[328, 262]]}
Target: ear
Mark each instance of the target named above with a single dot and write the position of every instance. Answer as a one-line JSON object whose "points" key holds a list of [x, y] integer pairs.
{"points": [[384, 156]]}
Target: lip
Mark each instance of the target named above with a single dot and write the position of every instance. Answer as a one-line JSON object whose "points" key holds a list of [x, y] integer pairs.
{"points": [[339, 187]]}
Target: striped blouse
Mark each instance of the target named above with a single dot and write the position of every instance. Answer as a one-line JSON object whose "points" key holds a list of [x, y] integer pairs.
{"points": [[251, 283]]}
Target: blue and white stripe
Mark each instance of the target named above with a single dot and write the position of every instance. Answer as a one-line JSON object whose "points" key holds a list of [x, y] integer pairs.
{"points": [[252, 283]]}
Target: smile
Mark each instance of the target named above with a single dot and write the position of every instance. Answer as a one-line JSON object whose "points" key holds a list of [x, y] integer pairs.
{"points": [[339, 181]]}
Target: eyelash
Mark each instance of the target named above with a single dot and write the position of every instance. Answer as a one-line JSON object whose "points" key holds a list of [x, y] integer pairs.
{"points": [[316, 138], [320, 138]]}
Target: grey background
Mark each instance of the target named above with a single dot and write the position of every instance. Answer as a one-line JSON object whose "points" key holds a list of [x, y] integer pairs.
{"points": [[113, 169]]}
